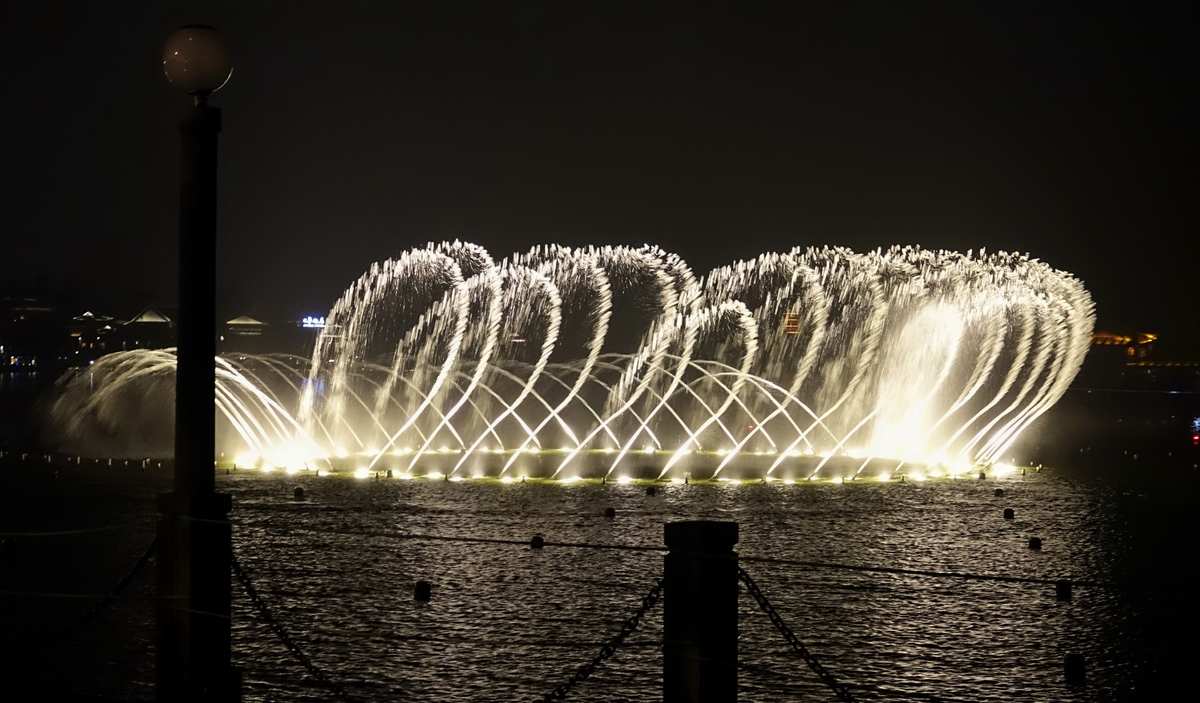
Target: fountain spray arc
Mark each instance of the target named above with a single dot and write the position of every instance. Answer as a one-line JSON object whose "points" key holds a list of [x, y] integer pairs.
{"points": [[588, 362]]}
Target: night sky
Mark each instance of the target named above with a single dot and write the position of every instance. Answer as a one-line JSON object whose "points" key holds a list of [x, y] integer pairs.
{"points": [[356, 130]]}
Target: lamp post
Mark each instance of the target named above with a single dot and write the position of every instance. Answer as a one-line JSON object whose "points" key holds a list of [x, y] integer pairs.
{"points": [[194, 536]]}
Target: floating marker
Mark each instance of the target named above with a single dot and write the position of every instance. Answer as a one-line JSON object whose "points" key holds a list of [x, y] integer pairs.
{"points": [[1009, 514], [610, 513], [1062, 590], [298, 493], [998, 492], [1035, 543], [423, 591], [537, 542]]}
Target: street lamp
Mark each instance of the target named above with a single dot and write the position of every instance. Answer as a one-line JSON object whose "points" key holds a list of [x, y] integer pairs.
{"points": [[194, 535]]}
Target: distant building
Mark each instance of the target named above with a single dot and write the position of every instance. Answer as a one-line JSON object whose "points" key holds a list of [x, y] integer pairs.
{"points": [[30, 332], [1136, 346], [1133, 361], [88, 337], [244, 334], [152, 328]]}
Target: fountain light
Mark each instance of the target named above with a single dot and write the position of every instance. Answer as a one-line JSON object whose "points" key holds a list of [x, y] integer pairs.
{"points": [[435, 475], [506, 479], [677, 481], [884, 476], [624, 479], [362, 472], [456, 479], [573, 478], [789, 481], [245, 460], [891, 387], [917, 476]]}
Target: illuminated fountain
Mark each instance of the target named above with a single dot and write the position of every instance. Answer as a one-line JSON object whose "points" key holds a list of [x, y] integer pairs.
{"points": [[619, 362]]}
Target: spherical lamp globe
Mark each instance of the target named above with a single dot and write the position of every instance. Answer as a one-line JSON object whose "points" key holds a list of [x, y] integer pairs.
{"points": [[195, 60]]}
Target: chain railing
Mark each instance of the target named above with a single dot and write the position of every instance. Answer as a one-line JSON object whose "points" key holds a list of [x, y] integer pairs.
{"points": [[610, 646], [281, 632], [107, 600], [839, 689]]}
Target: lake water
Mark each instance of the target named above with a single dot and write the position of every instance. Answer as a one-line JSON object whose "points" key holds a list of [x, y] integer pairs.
{"points": [[510, 623]]}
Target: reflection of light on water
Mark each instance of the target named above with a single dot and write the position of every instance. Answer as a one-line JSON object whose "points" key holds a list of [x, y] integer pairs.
{"points": [[677, 481], [624, 480], [884, 476], [506, 479], [917, 476], [1003, 470], [456, 478], [789, 481], [361, 472], [570, 479], [435, 475]]}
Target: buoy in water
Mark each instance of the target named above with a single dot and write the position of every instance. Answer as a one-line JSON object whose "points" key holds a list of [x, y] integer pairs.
{"points": [[1009, 514], [298, 493], [537, 542], [1062, 590], [1035, 543], [423, 591], [610, 513], [982, 475], [998, 492], [651, 491], [389, 474]]}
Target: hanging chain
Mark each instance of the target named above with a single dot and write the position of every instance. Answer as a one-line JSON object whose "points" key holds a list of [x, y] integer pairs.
{"points": [[282, 634], [840, 689], [110, 598], [610, 646]]}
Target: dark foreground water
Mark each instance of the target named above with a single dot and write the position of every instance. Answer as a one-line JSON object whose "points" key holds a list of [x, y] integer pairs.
{"points": [[509, 623]]}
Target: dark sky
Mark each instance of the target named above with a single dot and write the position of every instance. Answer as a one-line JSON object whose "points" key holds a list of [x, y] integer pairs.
{"points": [[356, 130]]}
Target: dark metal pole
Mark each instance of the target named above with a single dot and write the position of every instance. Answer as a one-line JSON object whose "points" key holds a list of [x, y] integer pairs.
{"points": [[195, 540], [700, 612]]}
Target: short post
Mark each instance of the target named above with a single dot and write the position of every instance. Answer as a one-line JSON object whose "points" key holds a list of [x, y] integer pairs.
{"points": [[700, 612]]}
